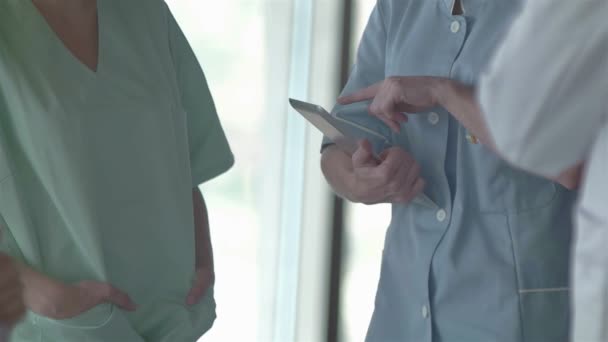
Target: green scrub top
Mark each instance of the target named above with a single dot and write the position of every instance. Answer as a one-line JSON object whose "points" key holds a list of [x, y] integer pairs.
{"points": [[97, 167]]}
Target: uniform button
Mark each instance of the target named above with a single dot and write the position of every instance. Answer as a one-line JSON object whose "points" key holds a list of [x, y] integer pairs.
{"points": [[425, 311], [455, 27], [433, 118], [441, 215]]}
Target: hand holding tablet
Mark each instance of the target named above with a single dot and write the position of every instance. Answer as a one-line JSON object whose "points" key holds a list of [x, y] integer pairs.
{"points": [[346, 134]]}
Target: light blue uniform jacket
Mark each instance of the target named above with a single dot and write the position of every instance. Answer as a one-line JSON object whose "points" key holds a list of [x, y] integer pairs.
{"points": [[491, 263]]}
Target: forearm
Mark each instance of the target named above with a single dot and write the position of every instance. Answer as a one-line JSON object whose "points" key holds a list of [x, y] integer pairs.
{"points": [[202, 235], [460, 101], [338, 170]]}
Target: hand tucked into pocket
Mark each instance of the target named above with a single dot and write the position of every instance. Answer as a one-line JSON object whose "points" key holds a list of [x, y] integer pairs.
{"points": [[57, 300]]}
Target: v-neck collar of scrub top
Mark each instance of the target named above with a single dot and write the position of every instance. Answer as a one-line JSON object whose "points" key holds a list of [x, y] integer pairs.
{"points": [[55, 42]]}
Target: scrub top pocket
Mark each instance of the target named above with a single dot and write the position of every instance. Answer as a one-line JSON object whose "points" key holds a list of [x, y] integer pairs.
{"points": [[170, 319]]}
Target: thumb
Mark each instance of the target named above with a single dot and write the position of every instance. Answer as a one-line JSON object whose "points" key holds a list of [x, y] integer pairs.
{"points": [[364, 156]]}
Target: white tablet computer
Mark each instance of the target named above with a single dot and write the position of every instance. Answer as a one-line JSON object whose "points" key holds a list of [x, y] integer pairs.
{"points": [[346, 134], [333, 128]]}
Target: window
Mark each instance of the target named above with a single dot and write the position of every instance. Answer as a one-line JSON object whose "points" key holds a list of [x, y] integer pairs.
{"points": [[364, 231], [269, 214]]}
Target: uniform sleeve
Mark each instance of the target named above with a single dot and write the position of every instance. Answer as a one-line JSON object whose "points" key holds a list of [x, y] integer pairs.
{"points": [[370, 60], [544, 94], [210, 154]]}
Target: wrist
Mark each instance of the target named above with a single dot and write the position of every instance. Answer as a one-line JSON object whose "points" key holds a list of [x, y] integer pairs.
{"points": [[440, 90], [41, 294]]}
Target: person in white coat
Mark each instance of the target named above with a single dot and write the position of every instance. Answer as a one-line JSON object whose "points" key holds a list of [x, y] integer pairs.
{"points": [[547, 88]]}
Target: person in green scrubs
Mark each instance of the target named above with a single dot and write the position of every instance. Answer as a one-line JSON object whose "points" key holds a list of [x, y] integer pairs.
{"points": [[107, 128]]}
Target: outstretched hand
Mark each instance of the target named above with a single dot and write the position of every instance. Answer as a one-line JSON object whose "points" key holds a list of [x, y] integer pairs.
{"points": [[397, 95]]}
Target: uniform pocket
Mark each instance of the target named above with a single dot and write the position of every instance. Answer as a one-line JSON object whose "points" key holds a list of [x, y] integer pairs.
{"points": [[493, 186], [542, 245], [101, 323], [545, 314]]}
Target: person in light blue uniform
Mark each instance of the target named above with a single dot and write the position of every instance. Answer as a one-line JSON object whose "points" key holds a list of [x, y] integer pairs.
{"points": [[490, 261]]}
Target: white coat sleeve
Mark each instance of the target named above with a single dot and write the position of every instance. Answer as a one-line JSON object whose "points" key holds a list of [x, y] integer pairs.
{"points": [[545, 92]]}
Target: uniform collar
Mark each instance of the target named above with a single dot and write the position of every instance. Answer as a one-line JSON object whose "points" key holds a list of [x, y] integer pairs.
{"points": [[449, 4]]}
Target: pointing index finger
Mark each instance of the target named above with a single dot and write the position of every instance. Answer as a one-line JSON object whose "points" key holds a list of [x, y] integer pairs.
{"points": [[360, 95]]}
